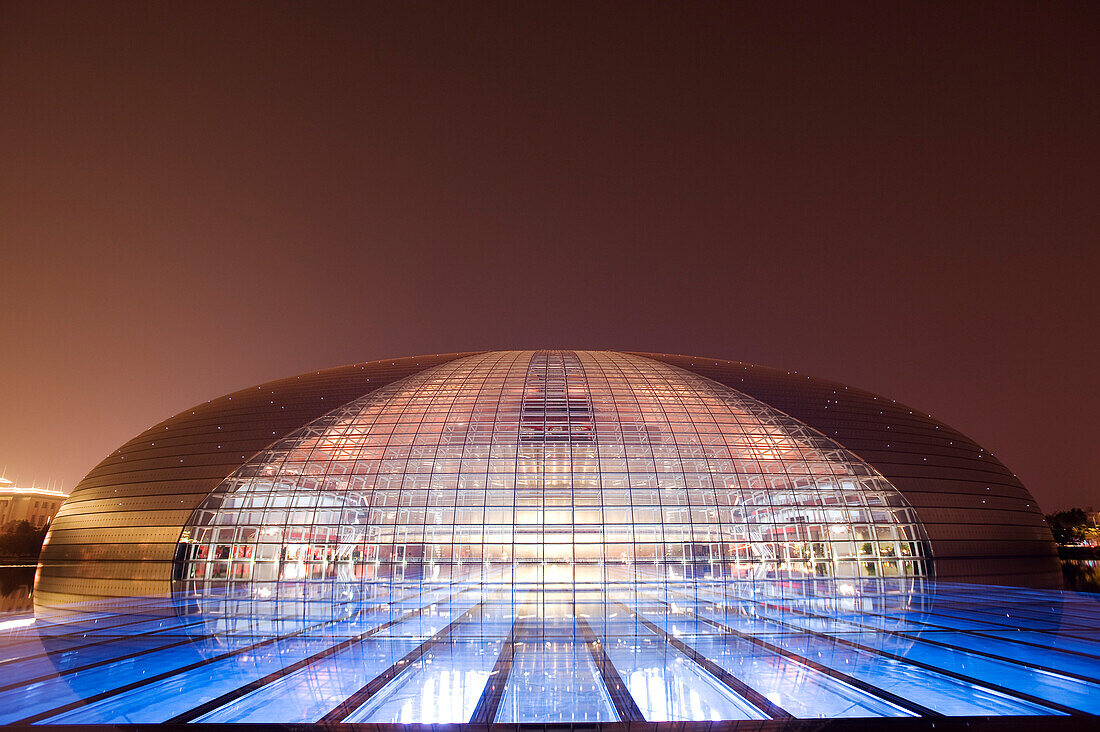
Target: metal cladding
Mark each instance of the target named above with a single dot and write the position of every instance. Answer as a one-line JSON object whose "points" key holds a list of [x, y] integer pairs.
{"points": [[983, 523], [119, 533]]}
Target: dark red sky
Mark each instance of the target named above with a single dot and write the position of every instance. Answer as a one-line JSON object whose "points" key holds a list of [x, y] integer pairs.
{"points": [[197, 198]]}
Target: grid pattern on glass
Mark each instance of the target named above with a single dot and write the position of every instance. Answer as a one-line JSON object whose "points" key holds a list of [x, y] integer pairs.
{"points": [[982, 523], [558, 468]]}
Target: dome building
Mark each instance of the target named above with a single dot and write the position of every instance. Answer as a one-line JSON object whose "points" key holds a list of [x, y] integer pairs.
{"points": [[559, 469]]}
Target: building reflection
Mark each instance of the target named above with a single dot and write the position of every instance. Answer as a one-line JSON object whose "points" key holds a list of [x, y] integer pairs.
{"points": [[504, 650]]}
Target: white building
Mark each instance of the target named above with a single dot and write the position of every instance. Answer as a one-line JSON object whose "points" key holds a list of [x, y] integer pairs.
{"points": [[37, 506]]}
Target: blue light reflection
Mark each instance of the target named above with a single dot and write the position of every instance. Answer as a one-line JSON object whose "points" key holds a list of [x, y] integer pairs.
{"points": [[538, 652]]}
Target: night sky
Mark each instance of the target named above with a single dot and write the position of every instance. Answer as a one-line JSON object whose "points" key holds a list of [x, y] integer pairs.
{"points": [[904, 197]]}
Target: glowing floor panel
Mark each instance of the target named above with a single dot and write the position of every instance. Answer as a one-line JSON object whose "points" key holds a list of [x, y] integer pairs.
{"points": [[499, 652]]}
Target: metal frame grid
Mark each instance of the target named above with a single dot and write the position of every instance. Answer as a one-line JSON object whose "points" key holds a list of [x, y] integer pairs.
{"points": [[548, 468]]}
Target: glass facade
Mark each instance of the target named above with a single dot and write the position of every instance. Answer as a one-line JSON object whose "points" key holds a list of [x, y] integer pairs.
{"points": [[563, 469]]}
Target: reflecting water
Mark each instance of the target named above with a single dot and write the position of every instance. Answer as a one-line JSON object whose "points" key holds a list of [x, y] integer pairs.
{"points": [[16, 587], [507, 650], [1082, 575]]}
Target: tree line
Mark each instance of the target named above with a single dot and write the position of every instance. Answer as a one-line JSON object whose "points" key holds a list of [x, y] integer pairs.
{"points": [[1072, 527], [23, 541]]}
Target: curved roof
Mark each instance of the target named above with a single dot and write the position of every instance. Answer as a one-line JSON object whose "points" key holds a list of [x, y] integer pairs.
{"points": [[983, 523], [118, 532]]}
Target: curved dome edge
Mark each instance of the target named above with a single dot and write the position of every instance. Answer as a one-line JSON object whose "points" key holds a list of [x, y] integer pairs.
{"points": [[983, 523], [95, 552]]}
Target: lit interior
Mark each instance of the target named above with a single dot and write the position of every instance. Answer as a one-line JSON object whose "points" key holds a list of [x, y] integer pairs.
{"points": [[537, 468]]}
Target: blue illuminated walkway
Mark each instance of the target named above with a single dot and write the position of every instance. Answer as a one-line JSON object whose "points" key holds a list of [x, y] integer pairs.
{"points": [[536, 653]]}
